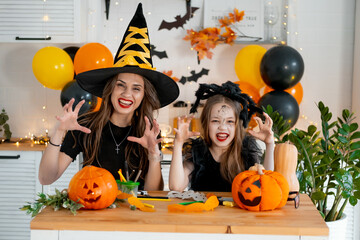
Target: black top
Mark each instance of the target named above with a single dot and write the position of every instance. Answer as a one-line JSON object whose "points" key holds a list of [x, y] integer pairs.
{"points": [[206, 175], [108, 157]]}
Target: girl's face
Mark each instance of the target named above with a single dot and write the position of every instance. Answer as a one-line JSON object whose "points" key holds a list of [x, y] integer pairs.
{"points": [[222, 125], [127, 93]]}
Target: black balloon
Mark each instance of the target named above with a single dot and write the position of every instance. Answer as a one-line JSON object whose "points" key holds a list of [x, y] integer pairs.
{"points": [[281, 67], [71, 51], [73, 90], [282, 102]]}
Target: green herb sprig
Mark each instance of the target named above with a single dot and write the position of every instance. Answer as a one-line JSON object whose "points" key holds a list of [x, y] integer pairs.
{"points": [[57, 201]]}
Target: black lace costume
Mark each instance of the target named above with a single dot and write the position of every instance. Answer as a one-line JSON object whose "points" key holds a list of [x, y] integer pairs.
{"points": [[206, 175]]}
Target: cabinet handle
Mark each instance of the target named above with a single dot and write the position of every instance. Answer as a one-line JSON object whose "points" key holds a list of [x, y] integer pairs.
{"points": [[165, 162], [10, 157], [20, 38]]}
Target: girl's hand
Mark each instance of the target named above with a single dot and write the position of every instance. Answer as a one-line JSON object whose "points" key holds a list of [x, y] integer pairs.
{"points": [[149, 140], [68, 121], [265, 134], [182, 130]]}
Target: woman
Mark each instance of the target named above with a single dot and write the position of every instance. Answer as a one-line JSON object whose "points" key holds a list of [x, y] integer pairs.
{"points": [[123, 134], [212, 162]]}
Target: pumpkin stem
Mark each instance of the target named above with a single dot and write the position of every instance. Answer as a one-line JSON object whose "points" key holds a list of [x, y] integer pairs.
{"points": [[258, 167]]}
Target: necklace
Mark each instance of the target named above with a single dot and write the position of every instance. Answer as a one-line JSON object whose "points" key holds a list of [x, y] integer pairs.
{"points": [[117, 149]]}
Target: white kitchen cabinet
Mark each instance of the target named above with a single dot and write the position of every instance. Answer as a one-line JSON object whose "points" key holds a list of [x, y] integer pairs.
{"points": [[55, 21], [19, 184]]}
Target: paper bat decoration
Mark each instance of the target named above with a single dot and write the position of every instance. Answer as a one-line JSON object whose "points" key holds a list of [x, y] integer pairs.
{"points": [[180, 21], [157, 53], [194, 76]]}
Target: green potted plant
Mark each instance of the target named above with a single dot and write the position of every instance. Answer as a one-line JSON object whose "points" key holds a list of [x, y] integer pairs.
{"points": [[328, 161], [4, 126]]}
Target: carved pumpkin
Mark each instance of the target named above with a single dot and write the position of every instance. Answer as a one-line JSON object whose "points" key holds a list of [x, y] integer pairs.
{"points": [[93, 187], [285, 162], [260, 189]]}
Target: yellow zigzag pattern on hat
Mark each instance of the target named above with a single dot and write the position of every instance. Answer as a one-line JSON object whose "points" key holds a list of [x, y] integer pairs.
{"points": [[127, 57]]}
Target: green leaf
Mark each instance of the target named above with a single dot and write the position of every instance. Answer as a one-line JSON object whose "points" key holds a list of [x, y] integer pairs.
{"points": [[356, 183], [343, 131], [357, 194], [353, 127], [355, 155], [355, 145], [346, 128], [355, 135], [353, 200], [319, 195], [342, 139], [344, 178], [311, 130], [345, 194]]}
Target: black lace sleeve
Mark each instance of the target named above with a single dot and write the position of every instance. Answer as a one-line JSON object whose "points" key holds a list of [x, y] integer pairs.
{"points": [[251, 152]]}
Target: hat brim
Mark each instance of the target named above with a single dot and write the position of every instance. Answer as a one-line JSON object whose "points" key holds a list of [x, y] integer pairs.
{"points": [[94, 81]]}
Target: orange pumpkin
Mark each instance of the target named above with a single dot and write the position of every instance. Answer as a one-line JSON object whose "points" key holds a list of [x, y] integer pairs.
{"points": [[93, 187], [260, 189]]}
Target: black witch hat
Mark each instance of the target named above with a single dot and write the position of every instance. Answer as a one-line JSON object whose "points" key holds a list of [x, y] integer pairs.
{"points": [[133, 56]]}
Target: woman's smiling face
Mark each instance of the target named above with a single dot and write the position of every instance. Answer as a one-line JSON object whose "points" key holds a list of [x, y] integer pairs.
{"points": [[222, 125], [128, 93]]}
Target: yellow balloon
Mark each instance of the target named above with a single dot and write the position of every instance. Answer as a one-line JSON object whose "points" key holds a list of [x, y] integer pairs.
{"points": [[247, 65], [53, 67]]}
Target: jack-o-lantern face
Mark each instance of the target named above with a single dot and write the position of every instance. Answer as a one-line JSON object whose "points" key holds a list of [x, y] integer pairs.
{"points": [[260, 192], [251, 196], [93, 187]]}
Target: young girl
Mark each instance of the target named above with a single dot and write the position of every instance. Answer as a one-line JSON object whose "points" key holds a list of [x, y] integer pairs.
{"points": [[123, 134], [225, 148]]}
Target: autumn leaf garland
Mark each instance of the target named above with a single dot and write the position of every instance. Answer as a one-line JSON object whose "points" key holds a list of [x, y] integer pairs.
{"points": [[208, 38]]}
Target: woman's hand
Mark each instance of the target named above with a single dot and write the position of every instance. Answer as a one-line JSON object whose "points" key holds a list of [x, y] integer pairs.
{"points": [[68, 121], [265, 134], [149, 140], [182, 130]]}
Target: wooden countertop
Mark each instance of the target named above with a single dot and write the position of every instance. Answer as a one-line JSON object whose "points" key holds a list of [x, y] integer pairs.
{"points": [[305, 220], [22, 146]]}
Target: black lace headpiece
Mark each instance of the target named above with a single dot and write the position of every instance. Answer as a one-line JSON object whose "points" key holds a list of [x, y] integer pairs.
{"points": [[229, 90]]}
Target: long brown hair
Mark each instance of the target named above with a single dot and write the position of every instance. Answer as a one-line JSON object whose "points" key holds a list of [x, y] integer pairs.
{"points": [[231, 162], [97, 120]]}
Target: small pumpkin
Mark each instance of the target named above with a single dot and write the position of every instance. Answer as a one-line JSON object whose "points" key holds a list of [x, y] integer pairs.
{"points": [[285, 162], [93, 187], [258, 189]]}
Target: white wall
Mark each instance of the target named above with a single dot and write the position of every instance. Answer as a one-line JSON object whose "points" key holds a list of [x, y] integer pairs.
{"points": [[325, 35]]}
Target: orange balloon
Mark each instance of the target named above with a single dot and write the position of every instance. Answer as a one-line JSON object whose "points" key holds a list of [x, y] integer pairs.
{"points": [[296, 91], [250, 90], [92, 56], [98, 104]]}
